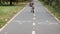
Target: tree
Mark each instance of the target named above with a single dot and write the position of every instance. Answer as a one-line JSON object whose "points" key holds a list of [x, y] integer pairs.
{"points": [[58, 4], [0, 1], [10, 2]]}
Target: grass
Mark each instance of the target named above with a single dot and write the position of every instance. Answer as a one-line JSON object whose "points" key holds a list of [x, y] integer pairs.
{"points": [[53, 10], [7, 12]]}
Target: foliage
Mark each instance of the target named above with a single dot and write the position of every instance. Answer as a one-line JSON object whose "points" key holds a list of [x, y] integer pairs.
{"points": [[11, 2], [53, 3]]}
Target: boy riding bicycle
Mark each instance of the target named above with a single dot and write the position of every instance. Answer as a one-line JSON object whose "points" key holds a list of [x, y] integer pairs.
{"points": [[32, 7]]}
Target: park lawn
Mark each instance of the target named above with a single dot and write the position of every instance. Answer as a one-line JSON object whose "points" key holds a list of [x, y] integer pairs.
{"points": [[7, 12]]}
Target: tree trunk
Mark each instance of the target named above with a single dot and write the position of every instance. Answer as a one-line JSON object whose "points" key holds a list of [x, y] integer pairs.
{"points": [[10, 2], [0, 1]]}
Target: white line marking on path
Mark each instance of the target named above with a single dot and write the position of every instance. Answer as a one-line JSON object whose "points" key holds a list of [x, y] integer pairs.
{"points": [[52, 14], [53, 23], [48, 23], [34, 14], [34, 18], [33, 32], [12, 19], [34, 24]]}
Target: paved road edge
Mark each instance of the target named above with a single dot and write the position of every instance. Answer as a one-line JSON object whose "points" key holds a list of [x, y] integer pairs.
{"points": [[52, 14], [12, 18]]}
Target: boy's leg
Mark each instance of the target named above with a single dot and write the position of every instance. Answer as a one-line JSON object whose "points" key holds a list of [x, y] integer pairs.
{"points": [[33, 10]]}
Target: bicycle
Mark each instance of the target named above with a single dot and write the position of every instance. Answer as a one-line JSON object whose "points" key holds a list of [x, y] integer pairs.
{"points": [[32, 8]]}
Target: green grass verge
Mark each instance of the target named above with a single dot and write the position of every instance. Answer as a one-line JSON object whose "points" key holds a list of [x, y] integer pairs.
{"points": [[53, 10], [7, 12]]}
